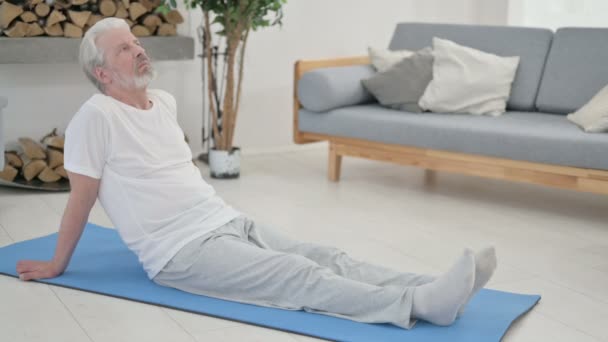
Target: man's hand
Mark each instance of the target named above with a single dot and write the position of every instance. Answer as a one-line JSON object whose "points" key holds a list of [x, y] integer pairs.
{"points": [[82, 198], [32, 269]]}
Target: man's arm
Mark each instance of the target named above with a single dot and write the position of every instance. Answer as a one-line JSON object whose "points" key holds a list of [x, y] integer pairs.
{"points": [[83, 194]]}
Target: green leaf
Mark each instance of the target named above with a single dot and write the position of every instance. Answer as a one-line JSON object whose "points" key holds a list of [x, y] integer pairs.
{"points": [[163, 9]]}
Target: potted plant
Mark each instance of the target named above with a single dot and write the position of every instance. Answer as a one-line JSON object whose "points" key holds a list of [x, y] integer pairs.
{"points": [[232, 21]]}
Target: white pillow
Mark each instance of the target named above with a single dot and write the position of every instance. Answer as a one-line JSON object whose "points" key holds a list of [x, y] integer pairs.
{"points": [[593, 116], [466, 80], [383, 59]]}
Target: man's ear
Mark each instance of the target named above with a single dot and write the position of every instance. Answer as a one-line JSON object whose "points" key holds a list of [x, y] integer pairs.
{"points": [[102, 75]]}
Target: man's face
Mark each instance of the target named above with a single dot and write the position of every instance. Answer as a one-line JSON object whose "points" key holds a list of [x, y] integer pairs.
{"points": [[126, 64]]}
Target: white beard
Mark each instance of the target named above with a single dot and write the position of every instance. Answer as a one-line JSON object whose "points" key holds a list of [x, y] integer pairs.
{"points": [[138, 81], [142, 81]]}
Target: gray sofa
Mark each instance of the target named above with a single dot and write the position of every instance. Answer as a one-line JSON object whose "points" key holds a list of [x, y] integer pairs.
{"points": [[532, 142]]}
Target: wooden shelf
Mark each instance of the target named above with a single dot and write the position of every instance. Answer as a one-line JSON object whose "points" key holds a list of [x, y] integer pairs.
{"points": [[42, 50]]}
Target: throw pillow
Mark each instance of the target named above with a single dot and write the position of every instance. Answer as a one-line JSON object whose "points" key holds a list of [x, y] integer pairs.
{"points": [[402, 85], [593, 116], [384, 59], [466, 80]]}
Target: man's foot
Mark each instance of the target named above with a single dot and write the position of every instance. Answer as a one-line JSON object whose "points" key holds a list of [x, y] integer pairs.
{"points": [[485, 264], [438, 302]]}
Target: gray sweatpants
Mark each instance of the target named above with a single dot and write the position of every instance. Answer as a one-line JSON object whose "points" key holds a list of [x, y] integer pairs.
{"points": [[245, 262]]}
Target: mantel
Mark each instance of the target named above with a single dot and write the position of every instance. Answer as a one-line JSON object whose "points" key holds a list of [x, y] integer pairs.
{"points": [[41, 50]]}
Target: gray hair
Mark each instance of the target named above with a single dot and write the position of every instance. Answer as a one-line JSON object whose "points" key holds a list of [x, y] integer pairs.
{"points": [[90, 55]]}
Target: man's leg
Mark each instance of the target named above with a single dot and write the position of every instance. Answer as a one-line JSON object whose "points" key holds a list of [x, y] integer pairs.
{"points": [[342, 264], [335, 259], [230, 268]]}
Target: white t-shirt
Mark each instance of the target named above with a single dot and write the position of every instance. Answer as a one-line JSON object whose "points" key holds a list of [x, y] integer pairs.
{"points": [[150, 189]]}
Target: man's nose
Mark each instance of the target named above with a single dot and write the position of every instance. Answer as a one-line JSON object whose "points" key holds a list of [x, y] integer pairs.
{"points": [[139, 50]]}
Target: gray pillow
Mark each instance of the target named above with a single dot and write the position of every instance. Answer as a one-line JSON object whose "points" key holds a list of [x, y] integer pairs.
{"points": [[402, 85]]}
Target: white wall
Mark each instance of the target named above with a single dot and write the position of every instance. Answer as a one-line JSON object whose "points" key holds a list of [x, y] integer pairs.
{"points": [[45, 96], [558, 13], [492, 12]]}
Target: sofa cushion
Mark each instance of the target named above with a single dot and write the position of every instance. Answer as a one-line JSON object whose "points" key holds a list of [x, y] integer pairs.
{"points": [[402, 85], [323, 89], [383, 60], [528, 136], [593, 116], [576, 69], [530, 44], [467, 80]]}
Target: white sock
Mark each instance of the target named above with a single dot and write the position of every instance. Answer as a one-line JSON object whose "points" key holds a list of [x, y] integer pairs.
{"points": [[485, 264], [438, 302]]}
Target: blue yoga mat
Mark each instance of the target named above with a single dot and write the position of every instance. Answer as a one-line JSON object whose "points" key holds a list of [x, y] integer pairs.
{"points": [[103, 264]]}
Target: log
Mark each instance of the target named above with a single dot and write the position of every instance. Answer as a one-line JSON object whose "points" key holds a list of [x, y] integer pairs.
{"points": [[130, 22], [34, 30], [167, 30], [54, 31], [55, 158], [8, 13], [48, 175], [32, 168], [61, 171], [29, 17], [152, 21], [33, 3], [9, 173], [107, 8], [53, 140], [79, 18], [150, 4], [42, 10], [55, 17], [17, 30], [136, 10], [173, 17], [71, 31], [127, 3], [121, 11], [13, 159], [140, 31], [93, 19], [61, 4], [78, 2], [31, 148]]}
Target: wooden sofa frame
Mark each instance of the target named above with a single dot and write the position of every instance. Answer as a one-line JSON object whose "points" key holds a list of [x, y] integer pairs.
{"points": [[574, 178]]}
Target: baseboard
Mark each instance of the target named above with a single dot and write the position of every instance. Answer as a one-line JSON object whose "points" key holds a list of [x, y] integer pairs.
{"points": [[253, 151]]}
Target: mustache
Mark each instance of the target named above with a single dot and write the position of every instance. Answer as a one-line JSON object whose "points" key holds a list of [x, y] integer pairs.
{"points": [[141, 59]]}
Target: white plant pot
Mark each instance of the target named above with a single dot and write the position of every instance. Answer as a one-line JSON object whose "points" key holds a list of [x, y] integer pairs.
{"points": [[225, 164]]}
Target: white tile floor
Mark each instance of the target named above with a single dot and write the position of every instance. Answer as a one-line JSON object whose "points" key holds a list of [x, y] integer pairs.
{"points": [[549, 241]]}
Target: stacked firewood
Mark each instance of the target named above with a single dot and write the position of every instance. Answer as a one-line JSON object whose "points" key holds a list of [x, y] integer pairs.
{"points": [[72, 18], [43, 160]]}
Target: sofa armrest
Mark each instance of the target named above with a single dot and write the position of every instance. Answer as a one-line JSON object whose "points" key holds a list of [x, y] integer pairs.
{"points": [[321, 72], [325, 89]]}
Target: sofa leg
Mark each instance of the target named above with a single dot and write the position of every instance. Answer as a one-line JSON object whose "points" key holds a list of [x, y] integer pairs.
{"points": [[430, 177], [335, 163]]}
